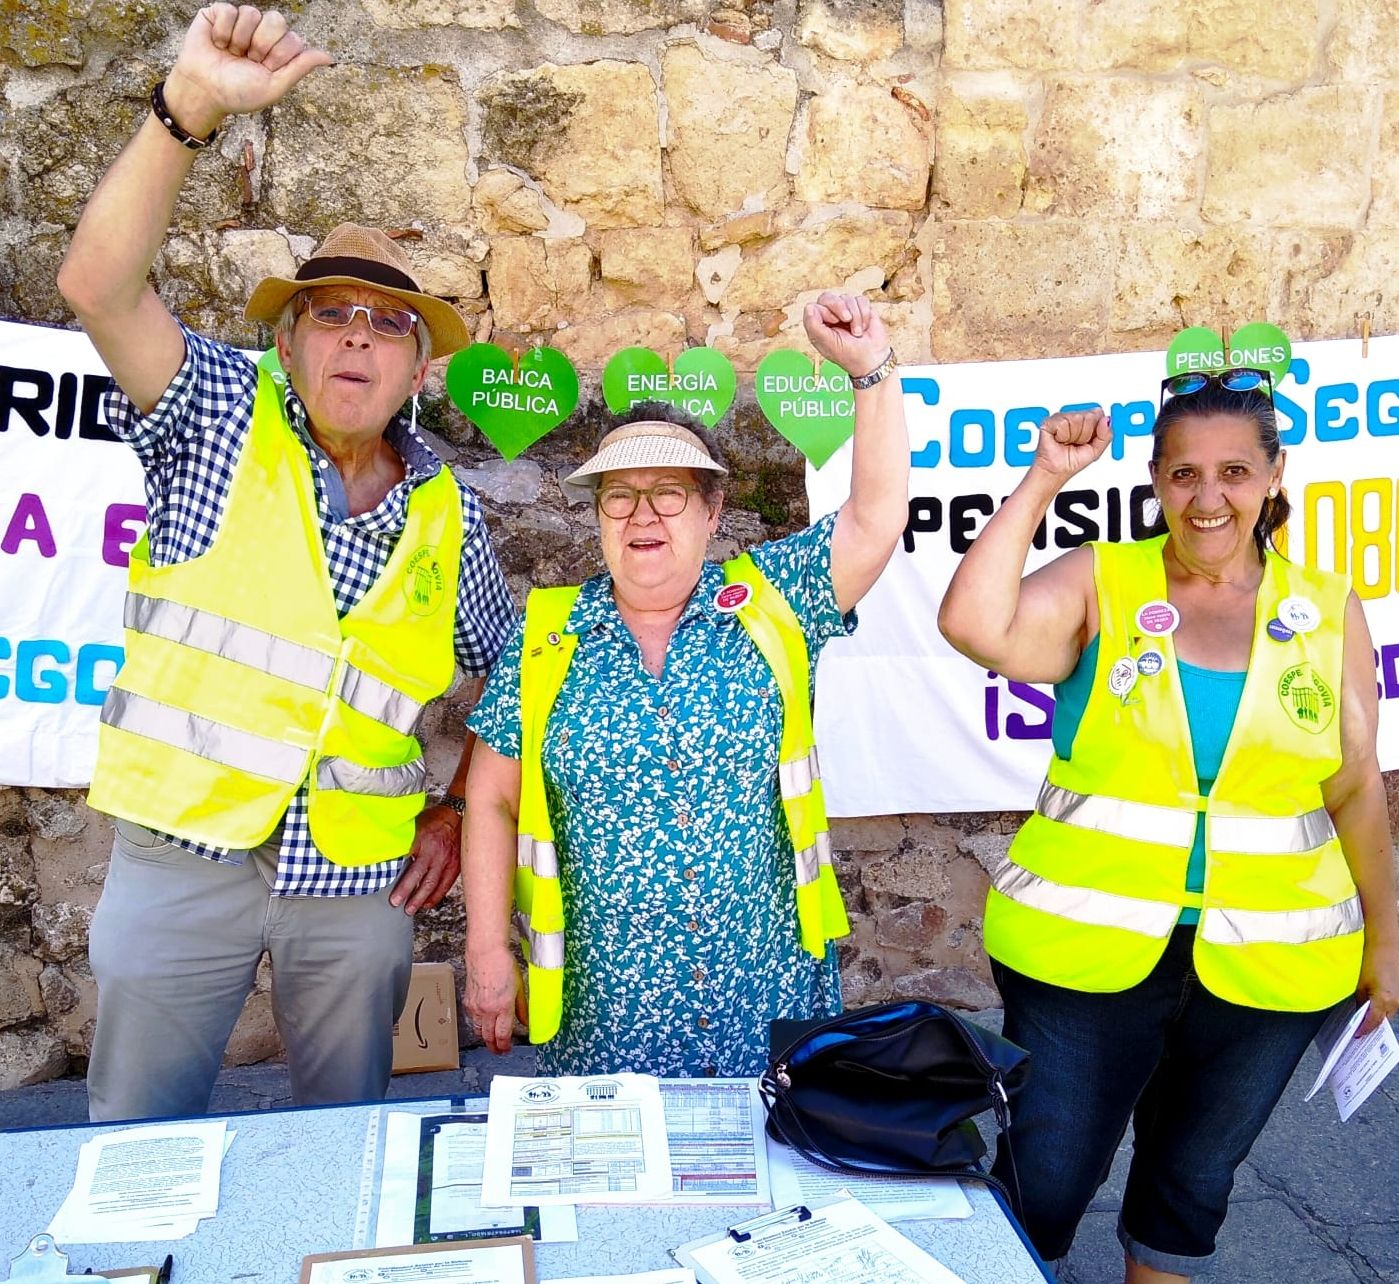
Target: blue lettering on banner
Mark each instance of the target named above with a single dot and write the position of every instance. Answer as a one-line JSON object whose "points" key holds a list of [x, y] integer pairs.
{"points": [[1014, 723], [46, 671]]}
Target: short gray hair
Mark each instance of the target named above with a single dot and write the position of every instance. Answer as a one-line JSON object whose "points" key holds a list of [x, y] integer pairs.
{"points": [[286, 323]]}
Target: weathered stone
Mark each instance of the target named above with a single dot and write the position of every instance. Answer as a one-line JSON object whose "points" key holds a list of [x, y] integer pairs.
{"points": [[20, 997], [914, 875], [514, 481], [44, 32], [18, 888], [910, 928], [1384, 183], [654, 266], [620, 17], [416, 117], [980, 161], [1145, 35], [1087, 156], [987, 849], [30, 1056], [1330, 281], [953, 987], [861, 144], [1295, 159], [910, 327], [728, 123], [58, 993], [1008, 33], [507, 203], [730, 24], [1362, 48], [1169, 277], [982, 312], [861, 31], [589, 133], [479, 15], [441, 265], [589, 344], [60, 930], [862, 980], [55, 813], [715, 271], [867, 833], [826, 249], [534, 283], [243, 257], [738, 230], [923, 26]]}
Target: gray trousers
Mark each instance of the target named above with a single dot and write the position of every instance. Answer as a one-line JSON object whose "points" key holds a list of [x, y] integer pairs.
{"points": [[175, 944]]}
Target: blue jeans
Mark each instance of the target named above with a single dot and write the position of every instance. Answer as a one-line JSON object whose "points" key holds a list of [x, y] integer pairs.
{"points": [[1197, 1076]]}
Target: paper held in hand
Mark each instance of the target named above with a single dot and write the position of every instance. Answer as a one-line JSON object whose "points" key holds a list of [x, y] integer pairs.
{"points": [[1353, 1067]]}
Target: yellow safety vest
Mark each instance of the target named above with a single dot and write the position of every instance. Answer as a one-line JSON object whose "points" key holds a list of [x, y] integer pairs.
{"points": [[241, 680], [546, 653], [1095, 880]]}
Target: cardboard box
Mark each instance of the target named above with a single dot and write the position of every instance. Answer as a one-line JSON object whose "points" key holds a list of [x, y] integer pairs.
{"points": [[425, 1036]]}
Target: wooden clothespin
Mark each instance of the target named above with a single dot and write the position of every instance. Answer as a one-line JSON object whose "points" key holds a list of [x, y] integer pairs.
{"points": [[514, 364], [1364, 334], [670, 368]]}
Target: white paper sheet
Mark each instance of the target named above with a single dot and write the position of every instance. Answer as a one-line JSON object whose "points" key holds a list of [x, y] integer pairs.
{"points": [[480, 1264], [456, 1146], [842, 1243], [137, 1184], [1353, 1067], [714, 1128], [576, 1140], [796, 1180]]}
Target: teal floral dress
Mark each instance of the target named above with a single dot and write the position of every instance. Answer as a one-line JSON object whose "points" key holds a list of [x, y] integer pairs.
{"points": [[674, 854]]}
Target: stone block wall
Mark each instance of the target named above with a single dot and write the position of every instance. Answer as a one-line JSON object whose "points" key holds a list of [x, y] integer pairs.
{"points": [[1004, 178]]}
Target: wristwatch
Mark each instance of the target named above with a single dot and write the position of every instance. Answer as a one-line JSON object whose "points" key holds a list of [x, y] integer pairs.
{"points": [[885, 367], [456, 802]]}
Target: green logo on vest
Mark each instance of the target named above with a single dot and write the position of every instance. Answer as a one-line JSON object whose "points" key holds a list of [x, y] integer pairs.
{"points": [[423, 582], [1306, 699]]}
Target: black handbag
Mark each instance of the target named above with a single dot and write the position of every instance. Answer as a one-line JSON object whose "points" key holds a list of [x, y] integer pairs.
{"points": [[894, 1088]]}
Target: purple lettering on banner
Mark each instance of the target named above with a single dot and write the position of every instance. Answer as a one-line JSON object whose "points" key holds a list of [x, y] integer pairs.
{"points": [[120, 531], [29, 521]]}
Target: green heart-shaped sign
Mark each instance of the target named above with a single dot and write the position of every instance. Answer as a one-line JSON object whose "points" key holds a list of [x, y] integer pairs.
{"points": [[513, 406], [814, 409], [1197, 348], [1261, 346], [701, 381]]}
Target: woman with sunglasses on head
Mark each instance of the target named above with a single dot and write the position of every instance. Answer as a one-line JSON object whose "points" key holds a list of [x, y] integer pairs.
{"points": [[1207, 871], [645, 772]]}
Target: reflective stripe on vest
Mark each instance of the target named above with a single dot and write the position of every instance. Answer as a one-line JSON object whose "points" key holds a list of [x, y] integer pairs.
{"points": [[537, 854], [382, 782], [1281, 927], [1148, 823], [1085, 904]]}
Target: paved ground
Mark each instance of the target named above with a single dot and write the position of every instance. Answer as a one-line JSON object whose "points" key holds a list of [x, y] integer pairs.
{"points": [[1318, 1201]]}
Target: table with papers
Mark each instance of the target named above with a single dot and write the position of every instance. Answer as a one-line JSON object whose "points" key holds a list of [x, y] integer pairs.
{"points": [[306, 1181]]}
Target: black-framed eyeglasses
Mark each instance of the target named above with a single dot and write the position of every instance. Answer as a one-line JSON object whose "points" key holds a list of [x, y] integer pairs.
{"points": [[392, 323], [1235, 379], [667, 499]]}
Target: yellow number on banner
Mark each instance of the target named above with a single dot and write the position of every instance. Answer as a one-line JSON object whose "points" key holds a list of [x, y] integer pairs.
{"points": [[1352, 529]]}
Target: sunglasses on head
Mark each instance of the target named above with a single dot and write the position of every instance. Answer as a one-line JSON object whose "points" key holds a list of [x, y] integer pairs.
{"points": [[1236, 379]]}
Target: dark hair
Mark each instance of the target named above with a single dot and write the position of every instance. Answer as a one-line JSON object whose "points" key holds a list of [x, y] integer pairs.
{"points": [[711, 484], [1254, 405]]}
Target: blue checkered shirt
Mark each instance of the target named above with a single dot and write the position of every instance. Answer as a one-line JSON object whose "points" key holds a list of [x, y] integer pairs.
{"points": [[188, 446]]}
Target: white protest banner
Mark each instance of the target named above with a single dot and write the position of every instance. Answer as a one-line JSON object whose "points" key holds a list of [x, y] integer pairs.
{"points": [[71, 507], [905, 724]]}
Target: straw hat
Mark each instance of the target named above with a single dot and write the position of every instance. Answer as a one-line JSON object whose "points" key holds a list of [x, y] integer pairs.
{"points": [[650, 443], [354, 255]]}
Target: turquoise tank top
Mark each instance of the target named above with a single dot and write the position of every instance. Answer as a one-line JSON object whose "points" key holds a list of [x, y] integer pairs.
{"points": [[1211, 704]]}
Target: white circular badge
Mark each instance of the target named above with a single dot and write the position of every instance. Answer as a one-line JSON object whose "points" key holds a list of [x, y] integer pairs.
{"points": [[1300, 614], [1123, 676], [1158, 618]]}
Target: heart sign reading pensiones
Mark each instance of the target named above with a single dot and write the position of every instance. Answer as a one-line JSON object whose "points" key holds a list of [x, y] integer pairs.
{"points": [[1197, 348], [700, 381], [1256, 346], [813, 408], [513, 405]]}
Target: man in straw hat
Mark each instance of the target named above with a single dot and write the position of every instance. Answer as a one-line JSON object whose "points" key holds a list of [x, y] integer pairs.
{"points": [[310, 578]]}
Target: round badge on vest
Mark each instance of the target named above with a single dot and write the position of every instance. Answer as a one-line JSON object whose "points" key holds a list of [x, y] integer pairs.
{"points": [[1158, 619], [1279, 632], [553, 639], [1123, 676], [732, 597], [1150, 663], [1299, 614]]}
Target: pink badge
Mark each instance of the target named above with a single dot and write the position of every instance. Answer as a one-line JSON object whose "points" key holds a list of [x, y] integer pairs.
{"points": [[1158, 619], [732, 597]]}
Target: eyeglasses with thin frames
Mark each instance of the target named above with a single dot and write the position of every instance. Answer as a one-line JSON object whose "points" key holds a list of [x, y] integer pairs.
{"points": [[392, 323], [1236, 379], [667, 499]]}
